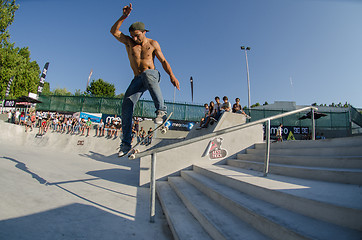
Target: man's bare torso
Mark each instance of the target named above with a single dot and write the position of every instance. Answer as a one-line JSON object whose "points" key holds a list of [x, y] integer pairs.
{"points": [[141, 56]]}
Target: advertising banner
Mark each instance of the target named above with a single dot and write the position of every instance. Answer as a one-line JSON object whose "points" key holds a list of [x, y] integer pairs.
{"points": [[94, 117], [42, 78]]}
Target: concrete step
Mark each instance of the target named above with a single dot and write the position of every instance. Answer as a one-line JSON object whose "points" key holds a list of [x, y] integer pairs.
{"points": [[311, 161], [216, 220], [340, 204], [334, 142], [271, 220], [321, 151], [182, 224], [339, 175]]}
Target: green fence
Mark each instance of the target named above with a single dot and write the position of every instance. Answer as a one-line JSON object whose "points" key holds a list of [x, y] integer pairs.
{"points": [[190, 112], [333, 120], [144, 108]]}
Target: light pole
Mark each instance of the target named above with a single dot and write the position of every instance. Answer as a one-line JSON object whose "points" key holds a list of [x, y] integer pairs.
{"points": [[247, 71]]}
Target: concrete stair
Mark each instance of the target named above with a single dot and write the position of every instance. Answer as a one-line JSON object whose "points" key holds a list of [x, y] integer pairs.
{"points": [[335, 160], [234, 202]]}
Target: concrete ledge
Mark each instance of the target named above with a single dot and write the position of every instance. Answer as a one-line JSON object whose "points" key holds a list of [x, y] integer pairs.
{"points": [[171, 162]]}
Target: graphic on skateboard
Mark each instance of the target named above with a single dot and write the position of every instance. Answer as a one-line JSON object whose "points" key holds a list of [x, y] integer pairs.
{"points": [[163, 129]]}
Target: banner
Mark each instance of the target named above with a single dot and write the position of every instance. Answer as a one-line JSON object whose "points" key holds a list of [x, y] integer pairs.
{"points": [[42, 78], [8, 88], [192, 89], [94, 117]]}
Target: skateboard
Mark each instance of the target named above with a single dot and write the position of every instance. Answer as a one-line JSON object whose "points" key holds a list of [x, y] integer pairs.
{"points": [[163, 129]]}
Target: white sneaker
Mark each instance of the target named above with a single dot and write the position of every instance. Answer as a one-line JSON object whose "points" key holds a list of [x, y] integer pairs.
{"points": [[123, 150], [161, 116]]}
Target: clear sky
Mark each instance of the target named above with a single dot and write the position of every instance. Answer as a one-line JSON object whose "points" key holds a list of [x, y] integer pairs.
{"points": [[301, 50]]}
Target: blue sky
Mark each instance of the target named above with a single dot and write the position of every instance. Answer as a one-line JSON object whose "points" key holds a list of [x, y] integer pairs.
{"points": [[301, 50]]}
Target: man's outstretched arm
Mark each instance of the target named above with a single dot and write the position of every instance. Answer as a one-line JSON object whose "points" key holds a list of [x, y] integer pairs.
{"points": [[166, 66], [115, 28]]}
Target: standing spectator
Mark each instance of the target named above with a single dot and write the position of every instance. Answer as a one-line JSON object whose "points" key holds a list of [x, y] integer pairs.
{"points": [[9, 116], [17, 114], [150, 136], [134, 133], [279, 133]]}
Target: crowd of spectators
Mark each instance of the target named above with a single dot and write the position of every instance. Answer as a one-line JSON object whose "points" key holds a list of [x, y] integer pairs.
{"points": [[47, 122], [213, 111]]}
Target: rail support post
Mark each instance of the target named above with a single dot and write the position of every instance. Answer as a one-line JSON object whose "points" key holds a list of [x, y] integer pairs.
{"points": [[267, 148], [153, 188]]}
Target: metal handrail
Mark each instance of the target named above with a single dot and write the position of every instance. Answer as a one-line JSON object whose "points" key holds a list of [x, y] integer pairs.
{"points": [[153, 152]]}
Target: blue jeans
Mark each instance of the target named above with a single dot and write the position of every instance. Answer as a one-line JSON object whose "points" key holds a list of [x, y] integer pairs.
{"points": [[148, 80]]}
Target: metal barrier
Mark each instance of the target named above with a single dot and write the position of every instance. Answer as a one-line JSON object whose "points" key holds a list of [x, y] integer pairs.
{"points": [[153, 152]]}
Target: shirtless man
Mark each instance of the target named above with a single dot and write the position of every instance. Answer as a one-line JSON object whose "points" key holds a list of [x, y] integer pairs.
{"points": [[141, 53]]}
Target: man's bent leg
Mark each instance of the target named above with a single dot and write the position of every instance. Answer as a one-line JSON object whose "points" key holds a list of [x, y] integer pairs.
{"points": [[132, 95]]}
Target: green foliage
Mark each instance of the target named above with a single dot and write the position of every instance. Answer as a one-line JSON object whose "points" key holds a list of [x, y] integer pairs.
{"points": [[255, 105], [100, 88], [62, 92], [46, 89], [7, 13], [15, 61]]}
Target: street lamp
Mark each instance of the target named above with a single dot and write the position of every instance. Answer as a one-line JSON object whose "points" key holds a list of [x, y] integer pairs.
{"points": [[247, 71]]}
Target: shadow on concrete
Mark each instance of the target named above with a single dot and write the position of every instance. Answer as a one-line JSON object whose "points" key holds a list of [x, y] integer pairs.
{"points": [[74, 221], [23, 167]]}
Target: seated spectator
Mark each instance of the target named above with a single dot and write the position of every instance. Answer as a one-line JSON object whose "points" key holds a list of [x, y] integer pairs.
{"points": [[207, 113], [141, 134], [226, 106], [217, 108], [238, 109], [100, 129], [88, 125], [210, 118]]}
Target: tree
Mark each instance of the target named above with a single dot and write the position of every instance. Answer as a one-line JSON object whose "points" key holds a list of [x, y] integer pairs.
{"points": [[100, 88], [62, 92], [15, 61], [46, 89], [255, 105], [7, 14]]}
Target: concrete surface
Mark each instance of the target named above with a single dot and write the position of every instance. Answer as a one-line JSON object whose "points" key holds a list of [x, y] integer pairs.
{"points": [[49, 192], [171, 162]]}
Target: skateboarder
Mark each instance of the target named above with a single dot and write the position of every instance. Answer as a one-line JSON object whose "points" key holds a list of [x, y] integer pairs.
{"points": [[141, 52]]}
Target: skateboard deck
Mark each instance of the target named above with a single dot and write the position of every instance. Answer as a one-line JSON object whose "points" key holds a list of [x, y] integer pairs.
{"points": [[132, 152]]}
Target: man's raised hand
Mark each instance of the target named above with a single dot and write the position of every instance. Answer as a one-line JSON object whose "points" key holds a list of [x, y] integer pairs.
{"points": [[127, 10]]}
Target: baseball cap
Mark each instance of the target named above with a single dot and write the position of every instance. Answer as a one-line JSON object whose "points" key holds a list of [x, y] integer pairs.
{"points": [[137, 26]]}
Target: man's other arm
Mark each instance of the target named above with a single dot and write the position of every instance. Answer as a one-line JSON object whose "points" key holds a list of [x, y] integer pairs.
{"points": [[166, 66]]}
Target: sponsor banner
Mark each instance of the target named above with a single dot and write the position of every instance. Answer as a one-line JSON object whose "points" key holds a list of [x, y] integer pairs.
{"points": [[179, 125], [9, 103], [42, 78], [108, 118], [46, 114], [94, 117], [287, 129], [9, 85]]}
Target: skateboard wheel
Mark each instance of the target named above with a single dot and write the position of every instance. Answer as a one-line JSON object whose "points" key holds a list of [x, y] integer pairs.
{"points": [[132, 156], [164, 130]]}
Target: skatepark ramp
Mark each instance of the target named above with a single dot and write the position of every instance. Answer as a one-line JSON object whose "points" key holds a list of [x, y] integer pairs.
{"points": [[311, 189]]}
